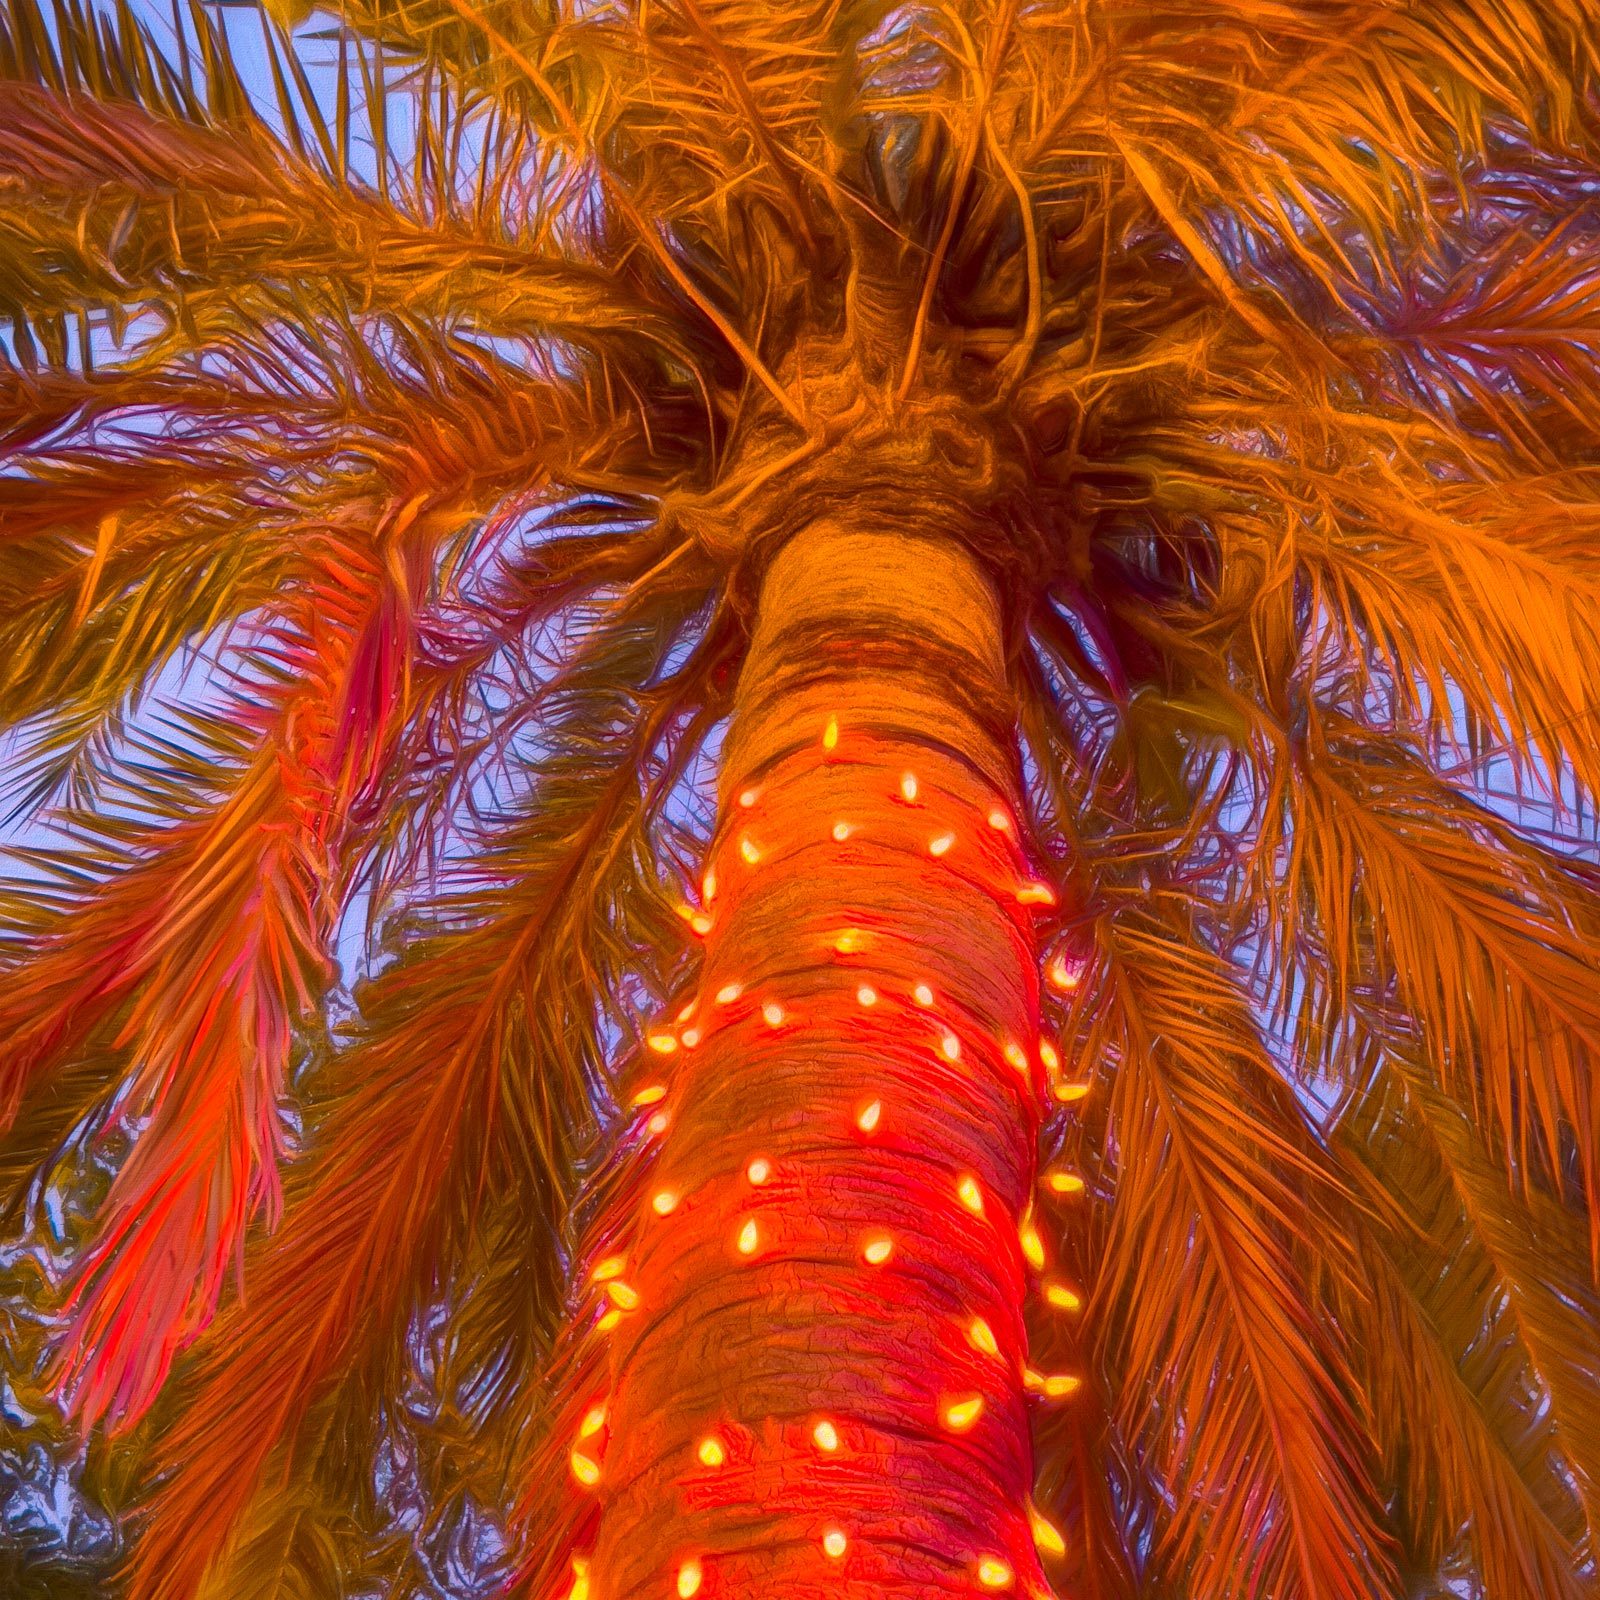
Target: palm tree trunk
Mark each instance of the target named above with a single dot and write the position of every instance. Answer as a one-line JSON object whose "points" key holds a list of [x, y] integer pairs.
{"points": [[820, 1388]]}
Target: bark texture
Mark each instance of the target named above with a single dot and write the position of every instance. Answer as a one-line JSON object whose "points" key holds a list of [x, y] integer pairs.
{"points": [[789, 1415]]}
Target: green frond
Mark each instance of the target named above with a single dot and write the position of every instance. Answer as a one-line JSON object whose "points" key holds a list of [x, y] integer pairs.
{"points": [[1229, 1379], [1475, 1342]]}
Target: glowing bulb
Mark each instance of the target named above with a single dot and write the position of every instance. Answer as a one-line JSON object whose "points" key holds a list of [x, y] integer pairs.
{"points": [[594, 1419], [759, 1170], [1049, 1056], [877, 1248], [993, 1573], [1061, 976], [866, 995], [688, 1580], [686, 1011], [959, 1415], [1035, 894], [1032, 1245], [951, 1047], [971, 1194], [658, 1122], [868, 1117], [1046, 1536], [649, 1096], [941, 845], [611, 1267], [584, 1468], [998, 819], [850, 941], [711, 1453], [772, 1013], [1054, 1385], [834, 1543], [830, 734], [701, 923], [708, 887], [748, 850], [922, 994], [1016, 1056], [1063, 1183], [1061, 1297], [748, 797], [691, 1037], [664, 1203], [728, 993], [841, 832], [662, 1043], [981, 1337], [609, 1320], [749, 1238], [580, 1581], [826, 1436], [623, 1295], [908, 786], [1070, 1093]]}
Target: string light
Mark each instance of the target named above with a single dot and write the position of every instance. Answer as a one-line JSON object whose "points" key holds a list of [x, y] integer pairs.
{"points": [[584, 1468], [1062, 1298], [826, 1436], [759, 1171], [708, 886], [747, 849], [866, 995], [653, 1094], [1049, 1056], [711, 1453], [688, 1580], [959, 1415], [1053, 1385], [869, 1115], [728, 993], [834, 1543], [908, 786], [1016, 1055], [749, 1238], [971, 1195], [999, 820], [686, 1011], [658, 1122], [981, 1337], [701, 923], [691, 1037], [951, 1047], [748, 797], [1032, 1245], [1046, 1536], [1063, 1182], [993, 1573], [1035, 894], [876, 1248], [849, 941], [841, 832], [941, 845], [1061, 976], [664, 1203], [830, 734], [594, 1419], [1070, 1093], [772, 1013], [606, 1270], [609, 1320], [623, 1295], [922, 994], [662, 1043]]}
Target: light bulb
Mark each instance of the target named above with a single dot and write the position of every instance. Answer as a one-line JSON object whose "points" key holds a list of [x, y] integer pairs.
{"points": [[1061, 1297], [711, 1453], [866, 995], [664, 1202], [1016, 1056], [623, 1295], [649, 1096], [580, 1580], [1049, 1056], [826, 1436], [908, 786], [772, 1014], [688, 1580], [701, 923], [691, 1037], [877, 1248], [749, 1238], [658, 1122], [748, 850], [728, 993], [950, 1046], [868, 1117], [834, 1543], [1035, 894], [941, 845], [971, 1195], [922, 994], [611, 1267], [981, 1337], [1032, 1245], [850, 941], [748, 797], [662, 1043], [708, 886], [830, 734], [1070, 1093], [759, 1170], [584, 1468], [993, 1573], [998, 819], [1046, 1536], [594, 1419], [959, 1415], [841, 832], [1063, 1182]]}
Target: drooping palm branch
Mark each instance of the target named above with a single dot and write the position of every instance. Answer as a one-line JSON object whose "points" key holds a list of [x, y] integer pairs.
{"points": [[445, 423]]}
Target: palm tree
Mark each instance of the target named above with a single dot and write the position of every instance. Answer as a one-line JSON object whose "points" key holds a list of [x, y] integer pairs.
{"points": [[935, 664]]}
